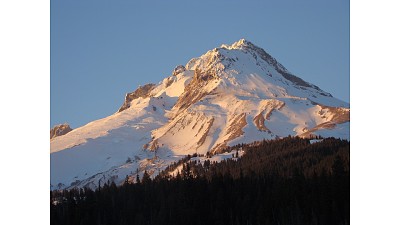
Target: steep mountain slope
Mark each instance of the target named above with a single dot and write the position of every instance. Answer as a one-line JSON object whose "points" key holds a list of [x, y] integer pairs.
{"points": [[233, 94]]}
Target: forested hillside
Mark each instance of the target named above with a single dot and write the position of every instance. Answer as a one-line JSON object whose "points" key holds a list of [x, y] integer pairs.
{"points": [[286, 181]]}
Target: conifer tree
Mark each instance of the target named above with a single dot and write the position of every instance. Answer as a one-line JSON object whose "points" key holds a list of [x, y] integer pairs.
{"points": [[137, 176], [146, 178]]}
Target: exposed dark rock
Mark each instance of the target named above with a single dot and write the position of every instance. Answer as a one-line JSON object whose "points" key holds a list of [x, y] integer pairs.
{"points": [[178, 69], [142, 91], [340, 115], [170, 80], [193, 91], [59, 130], [235, 129]]}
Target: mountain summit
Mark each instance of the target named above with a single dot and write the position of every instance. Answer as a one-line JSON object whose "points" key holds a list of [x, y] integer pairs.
{"points": [[232, 94]]}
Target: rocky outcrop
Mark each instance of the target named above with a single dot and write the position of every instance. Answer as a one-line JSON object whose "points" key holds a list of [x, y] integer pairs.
{"points": [[234, 129], [339, 114], [259, 122], [195, 90], [335, 115], [59, 130], [178, 69], [142, 91]]}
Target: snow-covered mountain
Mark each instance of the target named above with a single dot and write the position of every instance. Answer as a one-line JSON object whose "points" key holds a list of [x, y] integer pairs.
{"points": [[232, 94]]}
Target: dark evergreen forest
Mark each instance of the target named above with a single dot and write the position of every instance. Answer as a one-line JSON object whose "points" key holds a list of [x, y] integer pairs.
{"points": [[286, 181]]}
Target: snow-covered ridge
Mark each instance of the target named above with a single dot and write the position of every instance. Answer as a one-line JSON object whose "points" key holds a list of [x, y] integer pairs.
{"points": [[233, 94]]}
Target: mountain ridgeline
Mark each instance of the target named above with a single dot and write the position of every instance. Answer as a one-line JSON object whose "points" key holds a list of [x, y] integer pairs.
{"points": [[230, 95]]}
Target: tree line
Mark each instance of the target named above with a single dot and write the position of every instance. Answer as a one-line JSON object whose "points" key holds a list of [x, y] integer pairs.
{"points": [[286, 181]]}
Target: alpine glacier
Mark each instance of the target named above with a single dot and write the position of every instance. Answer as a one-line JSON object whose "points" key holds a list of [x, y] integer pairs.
{"points": [[232, 94]]}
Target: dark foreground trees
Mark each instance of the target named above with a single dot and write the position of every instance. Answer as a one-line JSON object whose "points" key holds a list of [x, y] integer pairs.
{"points": [[286, 181]]}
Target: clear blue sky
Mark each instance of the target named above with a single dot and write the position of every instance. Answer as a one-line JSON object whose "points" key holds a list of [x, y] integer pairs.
{"points": [[102, 49]]}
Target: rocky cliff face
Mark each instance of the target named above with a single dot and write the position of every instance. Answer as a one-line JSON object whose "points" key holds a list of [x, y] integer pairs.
{"points": [[59, 130], [142, 91]]}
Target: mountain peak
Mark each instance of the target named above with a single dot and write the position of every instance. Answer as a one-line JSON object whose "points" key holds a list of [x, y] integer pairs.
{"points": [[224, 58], [238, 44], [219, 58]]}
